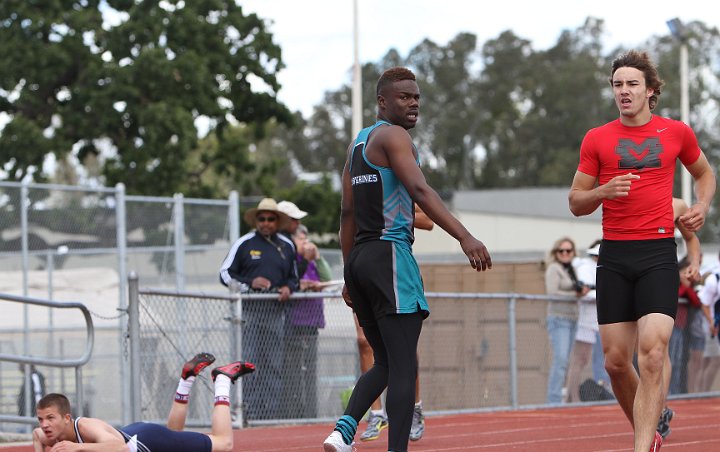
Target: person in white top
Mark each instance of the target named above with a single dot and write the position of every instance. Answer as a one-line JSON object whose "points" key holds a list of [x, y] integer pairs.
{"points": [[587, 326], [709, 295]]}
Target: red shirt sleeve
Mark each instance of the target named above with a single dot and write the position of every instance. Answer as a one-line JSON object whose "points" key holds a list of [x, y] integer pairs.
{"points": [[690, 294], [589, 161]]}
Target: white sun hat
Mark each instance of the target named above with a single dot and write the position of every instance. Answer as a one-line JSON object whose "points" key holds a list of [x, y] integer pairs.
{"points": [[291, 210]]}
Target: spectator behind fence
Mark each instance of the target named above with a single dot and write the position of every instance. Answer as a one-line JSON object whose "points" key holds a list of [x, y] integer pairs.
{"points": [[709, 296], [587, 334], [263, 261], [677, 347], [303, 321], [37, 389], [560, 279], [295, 216]]}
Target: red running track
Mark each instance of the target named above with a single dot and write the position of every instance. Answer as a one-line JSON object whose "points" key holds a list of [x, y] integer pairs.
{"points": [[695, 427]]}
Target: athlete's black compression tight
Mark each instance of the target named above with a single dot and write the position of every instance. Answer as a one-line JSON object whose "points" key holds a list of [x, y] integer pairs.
{"points": [[394, 342]]}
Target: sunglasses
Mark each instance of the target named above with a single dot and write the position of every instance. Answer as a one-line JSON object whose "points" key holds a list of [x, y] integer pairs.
{"points": [[270, 219], [565, 251]]}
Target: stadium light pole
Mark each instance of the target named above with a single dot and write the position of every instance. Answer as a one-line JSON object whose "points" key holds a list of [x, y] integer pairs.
{"points": [[679, 32], [357, 78]]}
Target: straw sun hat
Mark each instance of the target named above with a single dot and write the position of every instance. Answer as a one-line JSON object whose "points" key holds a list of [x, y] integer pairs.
{"points": [[266, 205]]}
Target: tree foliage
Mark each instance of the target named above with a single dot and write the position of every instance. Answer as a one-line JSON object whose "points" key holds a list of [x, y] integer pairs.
{"points": [[508, 115], [134, 91], [126, 98]]}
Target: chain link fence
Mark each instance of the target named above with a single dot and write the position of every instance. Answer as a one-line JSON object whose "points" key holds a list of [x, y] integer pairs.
{"points": [[301, 372], [77, 243], [483, 349]]}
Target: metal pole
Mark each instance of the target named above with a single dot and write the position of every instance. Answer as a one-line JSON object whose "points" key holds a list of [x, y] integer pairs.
{"points": [[24, 206], [686, 187], [134, 333], [679, 32], [51, 320], [179, 214], [512, 341], [27, 374], [121, 234], [179, 238], [234, 216], [79, 391], [236, 328], [357, 77]]}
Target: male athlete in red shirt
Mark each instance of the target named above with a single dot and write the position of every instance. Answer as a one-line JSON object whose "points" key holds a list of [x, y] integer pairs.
{"points": [[628, 166]]}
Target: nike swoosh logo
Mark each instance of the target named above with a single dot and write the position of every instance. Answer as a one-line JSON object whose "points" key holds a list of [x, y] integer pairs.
{"points": [[661, 130]]}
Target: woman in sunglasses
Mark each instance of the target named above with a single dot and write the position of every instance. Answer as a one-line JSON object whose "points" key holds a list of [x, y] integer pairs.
{"points": [[560, 279]]}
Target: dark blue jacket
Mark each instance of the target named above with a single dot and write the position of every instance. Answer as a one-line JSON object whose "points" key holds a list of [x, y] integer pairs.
{"points": [[253, 255]]}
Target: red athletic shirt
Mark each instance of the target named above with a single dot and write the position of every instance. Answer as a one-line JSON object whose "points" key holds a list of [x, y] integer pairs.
{"points": [[649, 151]]}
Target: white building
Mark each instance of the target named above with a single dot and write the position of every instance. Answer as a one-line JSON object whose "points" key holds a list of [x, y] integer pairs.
{"points": [[520, 222]]}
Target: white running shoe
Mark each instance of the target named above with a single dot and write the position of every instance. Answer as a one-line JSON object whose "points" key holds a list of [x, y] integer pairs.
{"points": [[376, 424], [418, 424], [335, 443]]}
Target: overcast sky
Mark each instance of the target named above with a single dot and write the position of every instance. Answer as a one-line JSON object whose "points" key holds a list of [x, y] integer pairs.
{"points": [[316, 36]]}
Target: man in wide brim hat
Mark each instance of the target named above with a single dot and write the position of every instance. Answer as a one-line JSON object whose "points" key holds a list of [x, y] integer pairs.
{"points": [[266, 205]]}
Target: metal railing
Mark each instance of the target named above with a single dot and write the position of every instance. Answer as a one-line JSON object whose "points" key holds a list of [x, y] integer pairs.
{"points": [[29, 360]]}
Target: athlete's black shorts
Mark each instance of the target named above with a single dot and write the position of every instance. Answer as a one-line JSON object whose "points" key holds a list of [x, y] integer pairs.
{"points": [[635, 278], [383, 278]]}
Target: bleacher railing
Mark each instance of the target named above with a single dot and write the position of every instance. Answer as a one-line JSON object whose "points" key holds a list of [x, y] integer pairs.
{"points": [[29, 360]]}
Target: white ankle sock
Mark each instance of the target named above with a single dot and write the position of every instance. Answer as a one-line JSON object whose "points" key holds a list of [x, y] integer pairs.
{"points": [[183, 390], [222, 389]]}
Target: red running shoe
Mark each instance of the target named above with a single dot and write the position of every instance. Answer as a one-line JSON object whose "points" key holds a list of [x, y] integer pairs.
{"points": [[234, 370], [655, 446], [193, 367]]}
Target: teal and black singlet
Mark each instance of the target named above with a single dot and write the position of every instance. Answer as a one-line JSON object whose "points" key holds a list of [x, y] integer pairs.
{"points": [[381, 272], [383, 208]]}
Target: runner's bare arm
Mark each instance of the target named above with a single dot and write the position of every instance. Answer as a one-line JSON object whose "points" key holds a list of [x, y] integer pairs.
{"points": [[704, 177], [347, 218], [397, 147], [586, 195]]}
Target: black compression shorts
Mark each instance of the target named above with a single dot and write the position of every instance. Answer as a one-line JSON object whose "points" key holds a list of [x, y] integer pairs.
{"points": [[635, 278]]}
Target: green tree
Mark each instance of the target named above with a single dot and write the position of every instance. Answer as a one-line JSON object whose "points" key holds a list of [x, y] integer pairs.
{"points": [[704, 98], [447, 131], [132, 91]]}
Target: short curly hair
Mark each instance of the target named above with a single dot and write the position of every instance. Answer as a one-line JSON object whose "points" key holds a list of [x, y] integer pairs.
{"points": [[392, 75], [642, 62]]}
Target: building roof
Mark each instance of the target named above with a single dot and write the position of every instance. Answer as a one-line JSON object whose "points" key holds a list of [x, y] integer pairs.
{"points": [[547, 202]]}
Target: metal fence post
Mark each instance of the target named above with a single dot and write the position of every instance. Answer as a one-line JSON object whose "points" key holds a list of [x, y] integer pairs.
{"points": [[512, 341], [24, 231], [134, 336], [79, 399], [234, 216], [236, 334], [121, 238], [179, 214]]}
